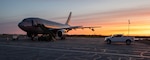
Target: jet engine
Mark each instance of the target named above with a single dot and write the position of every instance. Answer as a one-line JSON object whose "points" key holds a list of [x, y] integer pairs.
{"points": [[61, 33]]}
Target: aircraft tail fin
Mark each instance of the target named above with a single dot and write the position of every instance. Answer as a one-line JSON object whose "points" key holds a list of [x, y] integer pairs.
{"points": [[68, 20]]}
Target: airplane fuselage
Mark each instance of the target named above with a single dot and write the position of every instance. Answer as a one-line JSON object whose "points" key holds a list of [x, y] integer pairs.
{"points": [[30, 25]]}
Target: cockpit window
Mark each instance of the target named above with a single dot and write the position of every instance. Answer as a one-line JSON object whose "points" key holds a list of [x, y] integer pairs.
{"points": [[24, 20], [27, 20]]}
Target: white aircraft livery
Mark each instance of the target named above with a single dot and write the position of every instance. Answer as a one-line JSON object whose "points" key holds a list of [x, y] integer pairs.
{"points": [[35, 26]]}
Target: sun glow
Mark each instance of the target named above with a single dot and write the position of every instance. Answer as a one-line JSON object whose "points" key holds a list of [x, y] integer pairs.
{"points": [[116, 22], [133, 30]]}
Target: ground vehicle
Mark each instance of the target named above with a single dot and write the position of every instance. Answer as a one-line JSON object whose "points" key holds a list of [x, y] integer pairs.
{"points": [[15, 37], [119, 38]]}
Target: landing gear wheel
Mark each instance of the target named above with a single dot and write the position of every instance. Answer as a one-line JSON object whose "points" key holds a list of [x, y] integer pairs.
{"points": [[32, 38], [63, 38]]}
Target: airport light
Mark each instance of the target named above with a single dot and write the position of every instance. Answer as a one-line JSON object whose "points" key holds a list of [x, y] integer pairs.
{"points": [[129, 26]]}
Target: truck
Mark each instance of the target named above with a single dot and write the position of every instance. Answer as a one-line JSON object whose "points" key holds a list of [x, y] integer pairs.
{"points": [[119, 38]]}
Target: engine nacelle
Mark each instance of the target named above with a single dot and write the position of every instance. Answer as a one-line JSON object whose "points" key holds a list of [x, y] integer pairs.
{"points": [[61, 34]]}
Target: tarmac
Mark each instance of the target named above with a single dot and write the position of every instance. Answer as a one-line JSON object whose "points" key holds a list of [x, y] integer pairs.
{"points": [[73, 48]]}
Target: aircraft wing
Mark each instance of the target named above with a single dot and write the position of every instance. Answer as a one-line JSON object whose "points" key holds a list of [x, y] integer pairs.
{"points": [[92, 27], [69, 28], [81, 27]]}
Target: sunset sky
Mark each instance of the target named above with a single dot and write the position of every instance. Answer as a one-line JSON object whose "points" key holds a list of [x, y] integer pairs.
{"points": [[111, 15]]}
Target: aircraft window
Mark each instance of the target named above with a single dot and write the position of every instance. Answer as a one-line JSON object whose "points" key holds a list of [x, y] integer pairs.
{"points": [[26, 20]]}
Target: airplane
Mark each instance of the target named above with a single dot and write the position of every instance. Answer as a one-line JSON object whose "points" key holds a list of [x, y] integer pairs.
{"points": [[35, 26]]}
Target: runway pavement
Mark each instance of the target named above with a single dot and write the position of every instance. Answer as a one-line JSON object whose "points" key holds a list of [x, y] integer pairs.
{"points": [[74, 48]]}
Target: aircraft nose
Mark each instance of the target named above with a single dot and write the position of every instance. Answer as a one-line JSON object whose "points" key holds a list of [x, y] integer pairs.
{"points": [[20, 25]]}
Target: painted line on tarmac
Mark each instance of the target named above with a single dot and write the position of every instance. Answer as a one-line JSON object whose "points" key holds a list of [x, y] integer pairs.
{"points": [[66, 50]]}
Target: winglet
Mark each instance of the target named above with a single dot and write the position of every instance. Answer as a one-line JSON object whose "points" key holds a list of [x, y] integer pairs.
{"points": [[69, 17]]}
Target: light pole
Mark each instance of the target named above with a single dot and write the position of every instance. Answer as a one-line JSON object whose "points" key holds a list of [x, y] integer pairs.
{"points": [[128, 27]]}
